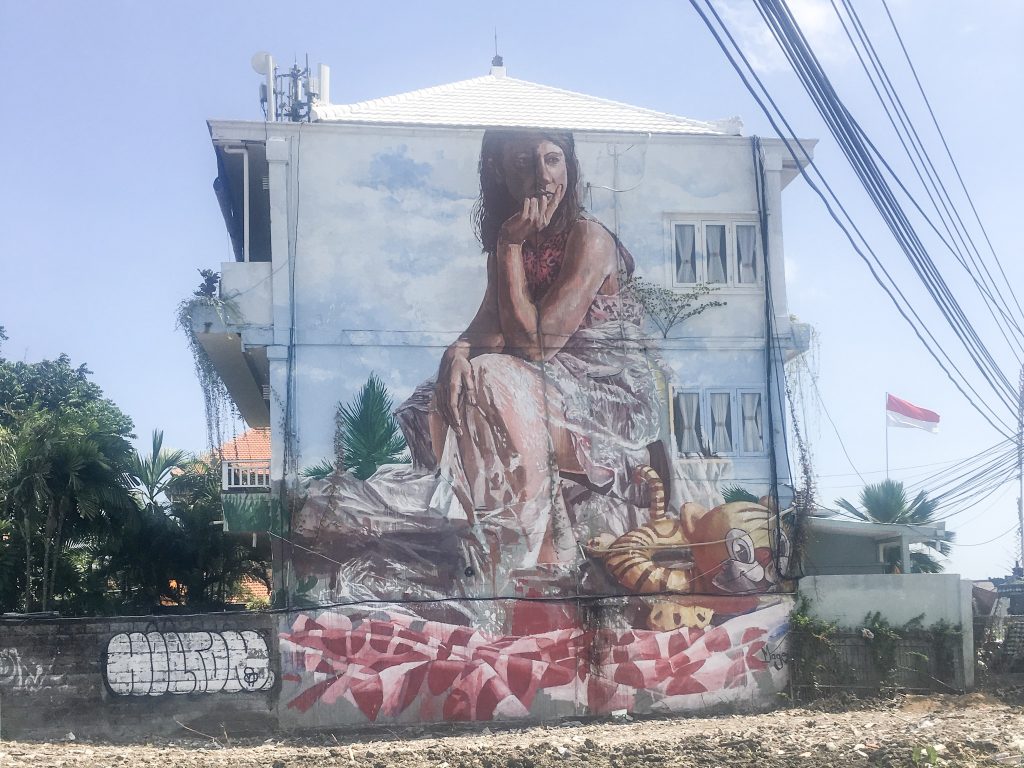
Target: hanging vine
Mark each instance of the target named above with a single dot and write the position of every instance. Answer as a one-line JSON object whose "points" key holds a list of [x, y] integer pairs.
{"points": [[804, 486], [217, 403]]}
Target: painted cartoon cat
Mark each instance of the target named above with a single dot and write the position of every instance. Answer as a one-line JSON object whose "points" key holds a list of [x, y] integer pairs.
{"points": [[730, 547]]}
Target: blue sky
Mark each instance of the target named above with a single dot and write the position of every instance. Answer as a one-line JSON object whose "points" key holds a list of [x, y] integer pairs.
{"points": [[107, 207]]}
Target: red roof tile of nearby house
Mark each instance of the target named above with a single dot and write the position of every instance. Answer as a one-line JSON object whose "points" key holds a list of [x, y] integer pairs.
{"points": [[253, 588], [253, 444]]}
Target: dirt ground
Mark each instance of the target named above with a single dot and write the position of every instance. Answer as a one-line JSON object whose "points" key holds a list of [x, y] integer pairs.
{"points": [[973, 730]]}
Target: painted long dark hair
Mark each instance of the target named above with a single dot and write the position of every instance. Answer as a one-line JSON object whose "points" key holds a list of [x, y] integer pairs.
{"points": [[495, 205]]}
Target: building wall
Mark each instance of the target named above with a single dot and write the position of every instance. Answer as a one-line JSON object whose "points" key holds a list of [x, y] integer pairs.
{"points": [[483, 582], [836, 553], [133, 677]]}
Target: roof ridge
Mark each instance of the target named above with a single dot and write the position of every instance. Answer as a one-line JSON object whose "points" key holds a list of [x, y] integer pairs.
{"points": [[613, 102], [428, 91], [498, 100]]}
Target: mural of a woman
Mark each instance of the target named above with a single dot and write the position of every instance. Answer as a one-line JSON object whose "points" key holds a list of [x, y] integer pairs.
{"points": [[550, 380]]}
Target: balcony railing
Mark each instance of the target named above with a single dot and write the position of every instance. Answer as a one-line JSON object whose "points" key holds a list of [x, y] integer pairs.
{"points": [[248, 475]]}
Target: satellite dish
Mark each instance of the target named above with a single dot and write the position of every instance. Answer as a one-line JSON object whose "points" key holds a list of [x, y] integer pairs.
{"points": [[259, 62]]}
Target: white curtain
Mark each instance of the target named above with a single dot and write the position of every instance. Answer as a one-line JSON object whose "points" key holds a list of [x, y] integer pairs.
{"points": [[753, 434], [688, 421], [686, 258], [746, 249], [715, 237], [721, 431]]}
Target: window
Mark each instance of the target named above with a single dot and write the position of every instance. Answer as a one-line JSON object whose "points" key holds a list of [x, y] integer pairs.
{"points": [[686, 253], [747, 256], [716, 265], [750, 413], [723, 421], [720, 405], [686, 417], [720, 253]]}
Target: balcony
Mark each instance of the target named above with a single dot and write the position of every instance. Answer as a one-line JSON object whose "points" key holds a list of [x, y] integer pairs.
{"points": [[247, 476], [245, 496], [235, 336]]}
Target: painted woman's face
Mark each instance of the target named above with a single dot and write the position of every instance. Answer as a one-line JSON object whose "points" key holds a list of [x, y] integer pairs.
{"points": [[534, 167]]}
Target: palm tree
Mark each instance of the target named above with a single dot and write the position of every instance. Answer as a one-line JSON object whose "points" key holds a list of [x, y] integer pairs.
{"points": [[367, 430], [887, 503], [155, 471]]}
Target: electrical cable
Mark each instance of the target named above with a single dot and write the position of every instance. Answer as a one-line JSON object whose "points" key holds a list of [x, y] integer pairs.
{"points": [[851, 137], [947, 209], [834, 207], [949, 153]]}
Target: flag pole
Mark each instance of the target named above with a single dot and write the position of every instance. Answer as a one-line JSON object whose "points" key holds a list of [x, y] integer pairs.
{"points": [[885, 411]]}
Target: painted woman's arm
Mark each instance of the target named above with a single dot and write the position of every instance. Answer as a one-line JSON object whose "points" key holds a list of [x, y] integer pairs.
{"points": [[455, 373], [536, 331], [483, 334]]}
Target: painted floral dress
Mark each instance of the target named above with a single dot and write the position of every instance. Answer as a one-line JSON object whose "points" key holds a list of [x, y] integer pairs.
{"points": [[599, 387]]}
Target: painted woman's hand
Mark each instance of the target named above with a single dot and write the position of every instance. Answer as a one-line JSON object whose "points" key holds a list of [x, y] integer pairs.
{"points": [[533, 218], [454, 381]]}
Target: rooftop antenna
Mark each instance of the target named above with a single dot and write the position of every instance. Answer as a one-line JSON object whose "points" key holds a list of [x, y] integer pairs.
{"points": [[497, 61], [263, 64], [290, 96]]}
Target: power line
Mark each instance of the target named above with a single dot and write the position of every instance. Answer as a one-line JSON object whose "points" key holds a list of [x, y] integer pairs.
{"points": [[859, 152], [949, 154], [924, 168], [841, 216]]}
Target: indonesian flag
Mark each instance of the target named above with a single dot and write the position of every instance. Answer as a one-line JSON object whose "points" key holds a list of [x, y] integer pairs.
{"points": [[900, 413]]}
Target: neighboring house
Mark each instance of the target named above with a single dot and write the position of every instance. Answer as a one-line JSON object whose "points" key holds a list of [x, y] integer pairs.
{"points": [[245, 481], [852, 568], [503, 548], [836, 546]]}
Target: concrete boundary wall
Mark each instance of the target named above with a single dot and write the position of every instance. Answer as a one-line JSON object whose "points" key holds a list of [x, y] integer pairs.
{"points": [[898, 598], [133, 676]]}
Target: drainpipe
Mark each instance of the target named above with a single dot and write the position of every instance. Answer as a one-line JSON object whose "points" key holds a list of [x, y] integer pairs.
{"points": [[244, 152]]}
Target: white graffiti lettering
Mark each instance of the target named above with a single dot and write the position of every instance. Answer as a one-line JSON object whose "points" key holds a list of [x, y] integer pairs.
{"points": [[155, 663], [20, 675]]}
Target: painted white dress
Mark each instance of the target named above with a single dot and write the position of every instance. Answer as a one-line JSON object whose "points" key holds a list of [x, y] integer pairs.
{"points": [[497, 489]]}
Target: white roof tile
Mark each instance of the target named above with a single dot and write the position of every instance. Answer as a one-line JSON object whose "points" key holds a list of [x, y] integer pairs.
{"points": [[495, 100]]}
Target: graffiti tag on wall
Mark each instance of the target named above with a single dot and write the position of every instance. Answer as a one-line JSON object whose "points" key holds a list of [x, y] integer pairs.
{"points": [[20, 675], [155, 663]]}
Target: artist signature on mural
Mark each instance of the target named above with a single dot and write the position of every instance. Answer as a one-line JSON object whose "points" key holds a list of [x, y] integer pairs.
{"points": [[778, 658]]}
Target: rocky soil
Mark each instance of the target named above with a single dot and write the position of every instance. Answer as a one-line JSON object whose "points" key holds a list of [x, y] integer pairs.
{"points": [[972, 730]]}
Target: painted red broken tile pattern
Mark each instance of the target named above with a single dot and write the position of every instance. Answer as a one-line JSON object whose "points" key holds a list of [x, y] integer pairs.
{"points": [[391, 665]]}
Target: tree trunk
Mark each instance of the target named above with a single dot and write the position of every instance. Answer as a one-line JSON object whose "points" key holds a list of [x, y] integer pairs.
{"points": [[28, 562], [57, 543], [48, 530]]}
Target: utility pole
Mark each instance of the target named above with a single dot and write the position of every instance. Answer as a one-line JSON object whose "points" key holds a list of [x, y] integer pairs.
{"points": [[1020, 473]]}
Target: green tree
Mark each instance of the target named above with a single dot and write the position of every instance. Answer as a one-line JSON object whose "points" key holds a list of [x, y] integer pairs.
{"points": [[209, 564], [887, 502], [63, 460], [172, 548]]}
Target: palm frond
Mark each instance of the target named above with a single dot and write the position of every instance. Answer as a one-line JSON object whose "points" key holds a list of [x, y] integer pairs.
{"points": [[324, 468], [370, 432], [733, 493], [852, 509]]}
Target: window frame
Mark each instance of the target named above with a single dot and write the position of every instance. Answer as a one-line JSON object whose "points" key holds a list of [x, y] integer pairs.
{"points": [[710, 422], [759, 262], [679, 452], [700, 224], [707, 422], [704, 225], [740, 392]]}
